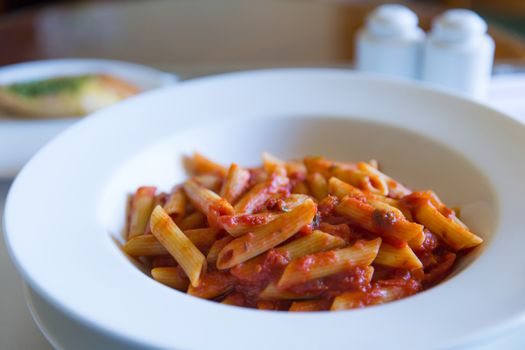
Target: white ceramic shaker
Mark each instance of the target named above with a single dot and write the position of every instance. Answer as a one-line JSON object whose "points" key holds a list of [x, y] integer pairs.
{"points": [[459, 53], [390, 42]]}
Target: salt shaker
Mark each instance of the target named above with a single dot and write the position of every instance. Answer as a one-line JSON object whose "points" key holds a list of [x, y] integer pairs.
{"points": [[391, 42], [459, 53]]}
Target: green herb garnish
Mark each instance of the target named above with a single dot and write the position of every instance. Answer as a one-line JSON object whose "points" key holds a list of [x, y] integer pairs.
{"points": [[52, 86]]}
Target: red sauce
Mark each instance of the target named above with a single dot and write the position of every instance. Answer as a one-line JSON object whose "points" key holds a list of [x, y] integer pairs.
{"points": [[242, 285], [353, 279], [268, 268], [327, 206]]}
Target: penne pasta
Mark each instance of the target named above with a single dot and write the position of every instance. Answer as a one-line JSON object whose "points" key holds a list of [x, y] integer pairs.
{"points": [[272, 292], [237, 225], [341, 189], [317, 185], [170, 276], [140, 210], [395, 189], [217, 246], [203, 238], [309, 305], [144, 245], [294, 170], [449, 230], [317, 241], [301, 188], [212, 285], [199, 165], [266, 237], [381, 222], [178, 245], [319, 265], [300, 236], [234, 299], [349, 300], [236, 183], [260, 193], [193, 221], [272, 164], [175, 205], [207, 201], [210, 181], [402, 258]]}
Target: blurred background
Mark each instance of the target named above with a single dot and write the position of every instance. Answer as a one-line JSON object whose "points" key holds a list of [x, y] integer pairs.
{"points": [[195, 37]]}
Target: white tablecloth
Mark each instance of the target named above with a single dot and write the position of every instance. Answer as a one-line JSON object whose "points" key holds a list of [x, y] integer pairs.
{"points": [[17, 330]]}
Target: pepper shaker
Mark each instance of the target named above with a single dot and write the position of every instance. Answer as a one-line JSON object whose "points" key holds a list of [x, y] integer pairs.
{"points": [[390, 42], [459, 53]]}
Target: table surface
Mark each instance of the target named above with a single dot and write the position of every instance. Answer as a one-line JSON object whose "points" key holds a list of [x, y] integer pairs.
{"points": [[190, 38]]}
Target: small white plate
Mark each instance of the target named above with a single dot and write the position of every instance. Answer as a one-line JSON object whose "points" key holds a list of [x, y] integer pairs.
{"points": [[69, 200], [20, 138]]}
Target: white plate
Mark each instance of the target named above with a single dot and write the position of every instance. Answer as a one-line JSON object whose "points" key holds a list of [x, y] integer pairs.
{"points": [[69, 200], [21, 138]]}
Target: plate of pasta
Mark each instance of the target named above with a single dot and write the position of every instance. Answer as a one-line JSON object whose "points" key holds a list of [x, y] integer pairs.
{"points": [[279, 208]]}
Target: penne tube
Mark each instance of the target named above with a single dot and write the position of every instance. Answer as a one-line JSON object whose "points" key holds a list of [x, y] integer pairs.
{"points": [[317, 241], [341, 189], [395, 189], [255, 198], [236, 183], [140, 210], [402, 258], [376, 296], [212, 285], [193, 221], [207, 201], [301, 188], [382, 222], [314, 266], [216, 247], [348, 172], [234, 299], [294, 200], [449, 230], [349, 300], [149, 245], [317, 185], [203, 238], [340, 230], [309, 305], [178, 245], [272, 292], [199, 165], [266, 237], [362, 180], [272, 164], [294, 170], [144, 245], [268, 305], [175, 205], [417, 242], [237, 225], [389, 293], [210, 181], [374, 163], [170, 276], [319, 165]]}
